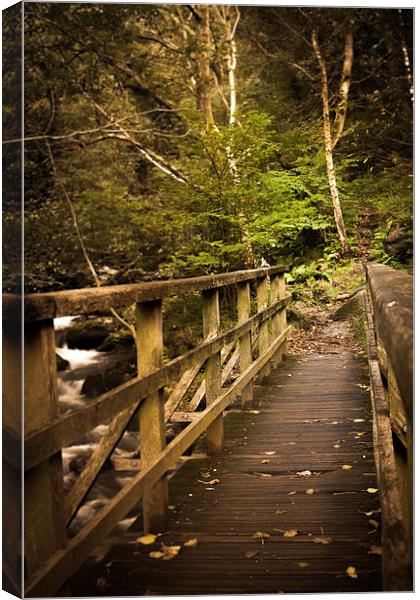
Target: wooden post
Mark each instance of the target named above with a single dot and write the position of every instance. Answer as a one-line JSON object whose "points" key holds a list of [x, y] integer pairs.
{"points": [[245, 351], [12, 488], [151, 414], [213, 373], [263, 336], [278, 291], [44, 526]]}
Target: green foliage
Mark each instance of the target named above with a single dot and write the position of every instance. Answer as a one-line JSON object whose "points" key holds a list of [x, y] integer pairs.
{"points": [[122, 112]]}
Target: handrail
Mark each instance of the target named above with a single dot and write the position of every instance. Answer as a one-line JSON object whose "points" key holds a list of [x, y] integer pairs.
{"points": [[391, 292], [50, 305], [389, 314], [51, 557]]}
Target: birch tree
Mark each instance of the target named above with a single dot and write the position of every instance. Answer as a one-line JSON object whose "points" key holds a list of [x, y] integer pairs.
{"points": [[329, 142]]}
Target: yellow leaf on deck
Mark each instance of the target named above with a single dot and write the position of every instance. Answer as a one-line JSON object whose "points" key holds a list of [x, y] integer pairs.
{"points": [[346, 467], [309, 491], [372, 490], [290, 533], [146, 539], [265, 462], [322, 539], [156, 554], [258, 535], [303, 564], [251, 553], [191, 543], [351, 572], [169, 552]]}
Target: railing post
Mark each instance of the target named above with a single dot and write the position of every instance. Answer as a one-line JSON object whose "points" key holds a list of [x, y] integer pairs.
{"points": [[213, 372], [245, 348], [45, 530], [12, 488], [278, 291], [151, 414], [263, 335]]}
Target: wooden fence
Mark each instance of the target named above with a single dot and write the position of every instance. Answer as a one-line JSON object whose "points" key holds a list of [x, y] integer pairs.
{"points": [[50, 555], [389, 312]]}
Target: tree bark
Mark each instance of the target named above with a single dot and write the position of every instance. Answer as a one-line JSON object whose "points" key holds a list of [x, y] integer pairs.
{"points": [[340, 117], [230, 24], [338, 216], [204, 78]]}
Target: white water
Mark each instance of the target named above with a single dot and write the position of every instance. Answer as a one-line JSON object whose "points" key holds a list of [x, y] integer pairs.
{"points": [[74, 457], [79, 358]]}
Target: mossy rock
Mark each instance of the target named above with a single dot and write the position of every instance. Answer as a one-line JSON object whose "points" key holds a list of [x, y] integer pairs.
{"points": [[298, 319]]}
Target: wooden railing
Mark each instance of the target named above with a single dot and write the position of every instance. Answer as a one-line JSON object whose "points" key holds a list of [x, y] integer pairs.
{"points": [[389, 310], [50, 555]]}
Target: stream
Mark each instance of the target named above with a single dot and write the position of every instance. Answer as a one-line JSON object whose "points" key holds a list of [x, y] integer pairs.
{"points": [[70, 382]]}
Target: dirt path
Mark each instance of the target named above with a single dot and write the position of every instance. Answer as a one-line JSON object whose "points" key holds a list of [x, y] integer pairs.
{"points": [[325, 335]]}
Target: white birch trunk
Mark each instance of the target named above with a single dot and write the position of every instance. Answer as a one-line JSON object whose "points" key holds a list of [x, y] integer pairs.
{"points": [[338, 216]]}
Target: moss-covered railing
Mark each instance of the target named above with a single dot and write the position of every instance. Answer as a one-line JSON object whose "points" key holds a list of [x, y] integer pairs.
{"points": [[50, 555], [389, 310]]}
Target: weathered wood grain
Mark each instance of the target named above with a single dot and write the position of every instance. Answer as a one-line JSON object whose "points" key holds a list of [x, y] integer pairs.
{"points": [[88, 300], [64, 430], [149, 329], [60, 565], [299, 428], [396, 562]]}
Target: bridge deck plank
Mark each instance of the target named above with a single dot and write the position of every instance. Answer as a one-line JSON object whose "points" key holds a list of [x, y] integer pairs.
{"points": [[305, 407]]}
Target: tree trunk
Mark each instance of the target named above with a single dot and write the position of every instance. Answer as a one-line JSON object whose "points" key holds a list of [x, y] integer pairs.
{"points": [[338, 216], [340, 117], [204, 78], [230, 24]]}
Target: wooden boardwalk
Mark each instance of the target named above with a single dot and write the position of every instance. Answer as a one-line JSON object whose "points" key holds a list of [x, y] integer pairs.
{"points": [[281, 474]]}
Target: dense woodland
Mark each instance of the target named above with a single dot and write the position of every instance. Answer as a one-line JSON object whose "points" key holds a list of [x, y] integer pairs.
{"points": [[169, 141]]}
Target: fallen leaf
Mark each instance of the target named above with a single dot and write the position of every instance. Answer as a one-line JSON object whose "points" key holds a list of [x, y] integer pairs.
{"points": [[324, 539], [265, 461], [309, 492], [291, 493], [290, 533], [269, 453], [374, 523], [213, 482], [260, 535], [251, 553], [304, 473], [102, 584], [253, 412], [147, 539], [303, 565], [346, 467], [191, 543], [351, 572], [169, 552], [358, 420], [371, 512], [337, 446], [375, 550], [289, 375], [372, 490], [156, 554], [281, 512], [292, 443]]}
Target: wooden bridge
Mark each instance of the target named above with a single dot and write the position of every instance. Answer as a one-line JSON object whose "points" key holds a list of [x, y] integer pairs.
{"points": [[280, 493]]}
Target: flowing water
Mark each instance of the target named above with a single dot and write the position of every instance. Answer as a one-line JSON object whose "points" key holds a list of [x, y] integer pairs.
{"points": [[70, 397]]}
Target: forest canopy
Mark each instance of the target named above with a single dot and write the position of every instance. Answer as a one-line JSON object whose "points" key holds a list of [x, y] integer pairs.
{"points": [[177, 140]]}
